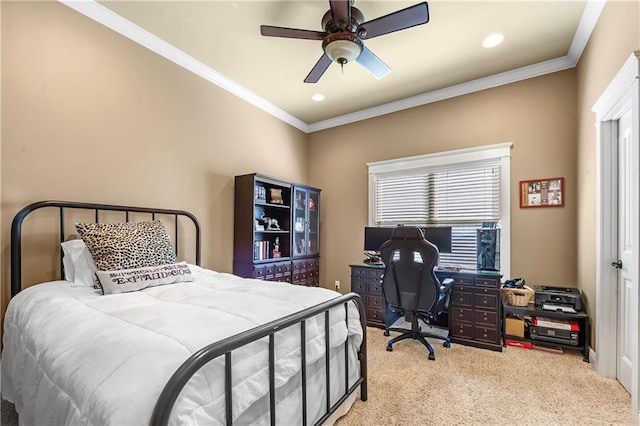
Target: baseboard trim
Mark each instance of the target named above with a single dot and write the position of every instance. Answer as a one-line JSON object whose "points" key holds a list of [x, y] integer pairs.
{"points": [[593, 358]]}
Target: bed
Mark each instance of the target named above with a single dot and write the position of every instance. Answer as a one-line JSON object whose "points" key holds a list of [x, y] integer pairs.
{"points": [[210, 349]]}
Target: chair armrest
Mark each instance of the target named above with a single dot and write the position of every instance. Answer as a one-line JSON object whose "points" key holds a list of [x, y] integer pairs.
{"points": [[445, 285]]}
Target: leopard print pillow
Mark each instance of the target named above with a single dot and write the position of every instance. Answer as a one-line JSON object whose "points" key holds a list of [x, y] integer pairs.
{"points": [[116, 246]]}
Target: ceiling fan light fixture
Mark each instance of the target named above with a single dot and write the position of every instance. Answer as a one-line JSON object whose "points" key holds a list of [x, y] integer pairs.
{"points": [[343, 51], [342, 47]]}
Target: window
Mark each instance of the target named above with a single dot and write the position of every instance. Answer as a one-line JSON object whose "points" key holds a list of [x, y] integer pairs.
{"points": [[463, 189]]}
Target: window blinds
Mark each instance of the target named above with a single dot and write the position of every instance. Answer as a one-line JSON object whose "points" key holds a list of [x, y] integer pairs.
{"points": [[460, 195]]}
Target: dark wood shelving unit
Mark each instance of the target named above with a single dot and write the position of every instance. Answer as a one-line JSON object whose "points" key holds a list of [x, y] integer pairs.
{"points": [[531, 310], [296, 209]]}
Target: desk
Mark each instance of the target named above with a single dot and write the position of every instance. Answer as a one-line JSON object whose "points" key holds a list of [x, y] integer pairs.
{"points": [[531, 310], [474, 310]]}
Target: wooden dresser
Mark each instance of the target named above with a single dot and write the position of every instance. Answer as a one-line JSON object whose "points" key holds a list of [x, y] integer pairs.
{"points": [[366, 280], [474, 308]]}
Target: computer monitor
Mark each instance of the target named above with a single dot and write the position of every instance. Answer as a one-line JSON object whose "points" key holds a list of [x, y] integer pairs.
{"points": [[440, 236]]}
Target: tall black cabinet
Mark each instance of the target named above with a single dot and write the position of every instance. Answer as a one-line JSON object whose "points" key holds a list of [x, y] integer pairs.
{"points": [[276, 230]]}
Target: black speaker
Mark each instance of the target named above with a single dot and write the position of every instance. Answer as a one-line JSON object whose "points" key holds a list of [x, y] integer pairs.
{"points": [[488, 249]]}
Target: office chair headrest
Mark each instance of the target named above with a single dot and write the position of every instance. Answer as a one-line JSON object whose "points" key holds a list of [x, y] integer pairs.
{"points": [[407, 233]]}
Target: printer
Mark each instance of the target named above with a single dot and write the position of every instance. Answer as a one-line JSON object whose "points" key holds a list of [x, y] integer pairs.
{"points": [[559, 299]]}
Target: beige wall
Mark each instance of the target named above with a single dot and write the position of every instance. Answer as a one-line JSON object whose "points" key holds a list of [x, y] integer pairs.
{"points": [[615, 37], [537, 115], [89, 115]]}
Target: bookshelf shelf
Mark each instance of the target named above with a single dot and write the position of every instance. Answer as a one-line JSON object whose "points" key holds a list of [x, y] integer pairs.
{"points": [[532, 311]]}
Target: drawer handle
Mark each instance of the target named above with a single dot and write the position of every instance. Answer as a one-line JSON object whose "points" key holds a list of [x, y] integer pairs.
{"points": [[461, 288], [486, 291], [461, 315], [484, 301], [461, 330], [485, 316], [484, 335], [461, 299]]}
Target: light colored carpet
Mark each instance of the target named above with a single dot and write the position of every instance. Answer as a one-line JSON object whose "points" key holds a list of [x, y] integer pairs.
{"points": [[470, 386], [465, 385]]}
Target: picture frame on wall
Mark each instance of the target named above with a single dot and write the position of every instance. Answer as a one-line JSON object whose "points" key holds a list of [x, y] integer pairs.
{"points": [[547, 192]]}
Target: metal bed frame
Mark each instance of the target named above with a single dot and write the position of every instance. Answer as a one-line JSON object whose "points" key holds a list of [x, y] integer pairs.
{"points": [[192, 365]]}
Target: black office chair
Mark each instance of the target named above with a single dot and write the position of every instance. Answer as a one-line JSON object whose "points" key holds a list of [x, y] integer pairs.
{"points": [[410, 285]]}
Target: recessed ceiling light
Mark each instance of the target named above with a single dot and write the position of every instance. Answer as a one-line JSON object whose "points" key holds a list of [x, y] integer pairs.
{"points": [[493, 40], [318, 97]]}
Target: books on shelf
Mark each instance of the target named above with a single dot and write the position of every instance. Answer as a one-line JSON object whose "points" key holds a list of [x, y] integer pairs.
{"points": [[555, 323], [260, 250]]}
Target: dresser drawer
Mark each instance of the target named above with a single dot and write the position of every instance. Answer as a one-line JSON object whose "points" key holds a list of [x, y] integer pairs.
{"points": [[486, 318], [299, 265], [486, 334], [375, 288], [376, 273], [488, 282], [375, 302], [281, 268], [360, 271], [269, 271], [463, 287], [487, 290], [358, 285], [461, 298], [486, 301], [462, 281], [375, 315], [460, 329], [258, 272], [456, 313]]}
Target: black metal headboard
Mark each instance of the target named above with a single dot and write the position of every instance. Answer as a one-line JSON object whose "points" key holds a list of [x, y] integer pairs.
{"points": [[16, 229]]}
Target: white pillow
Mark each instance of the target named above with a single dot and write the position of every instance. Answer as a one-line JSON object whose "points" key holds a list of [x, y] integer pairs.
{"points": [[79, 267], [126, 280]]}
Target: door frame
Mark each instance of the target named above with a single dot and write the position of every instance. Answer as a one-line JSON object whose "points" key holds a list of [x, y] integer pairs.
{"points": [[622, 93]]}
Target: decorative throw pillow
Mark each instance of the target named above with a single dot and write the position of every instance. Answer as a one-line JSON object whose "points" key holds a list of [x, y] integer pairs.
{"points": [[79, 267], [127, 245], [126, 280]]}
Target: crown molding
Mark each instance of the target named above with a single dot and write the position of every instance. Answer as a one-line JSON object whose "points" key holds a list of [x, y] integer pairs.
{"points": [[117, 23], [495, 80], [588, 22]]}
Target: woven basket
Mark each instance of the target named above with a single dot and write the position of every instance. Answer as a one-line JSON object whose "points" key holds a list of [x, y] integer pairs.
{"points": [[517, 296]]}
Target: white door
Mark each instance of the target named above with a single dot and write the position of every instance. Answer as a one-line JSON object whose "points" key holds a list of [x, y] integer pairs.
{"points": [[627, 332]]}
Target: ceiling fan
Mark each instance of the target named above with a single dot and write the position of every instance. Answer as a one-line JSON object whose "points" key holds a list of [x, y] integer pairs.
{"points": [[344, 32]]}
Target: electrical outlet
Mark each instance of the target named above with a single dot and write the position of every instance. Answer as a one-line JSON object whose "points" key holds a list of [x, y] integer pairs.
{"points": [[337, 285]]}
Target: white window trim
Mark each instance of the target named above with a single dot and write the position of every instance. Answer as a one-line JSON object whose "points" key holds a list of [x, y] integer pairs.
{"points": [[498, 151]]}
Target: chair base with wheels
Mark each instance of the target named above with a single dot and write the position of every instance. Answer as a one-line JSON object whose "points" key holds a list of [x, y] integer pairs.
{"points": [[417, 334]]}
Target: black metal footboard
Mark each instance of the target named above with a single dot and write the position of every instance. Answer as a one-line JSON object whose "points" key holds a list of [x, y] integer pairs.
{"points": [[195, 362]]}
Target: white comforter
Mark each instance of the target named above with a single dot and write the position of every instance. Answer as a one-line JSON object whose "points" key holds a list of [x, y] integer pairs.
{"points": [[74, 356]]}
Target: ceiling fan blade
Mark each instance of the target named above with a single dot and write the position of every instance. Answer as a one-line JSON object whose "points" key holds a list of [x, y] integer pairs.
{"points": [[341, 12], [270, 31], [372, 63], [396, 21], [318, 69]]}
